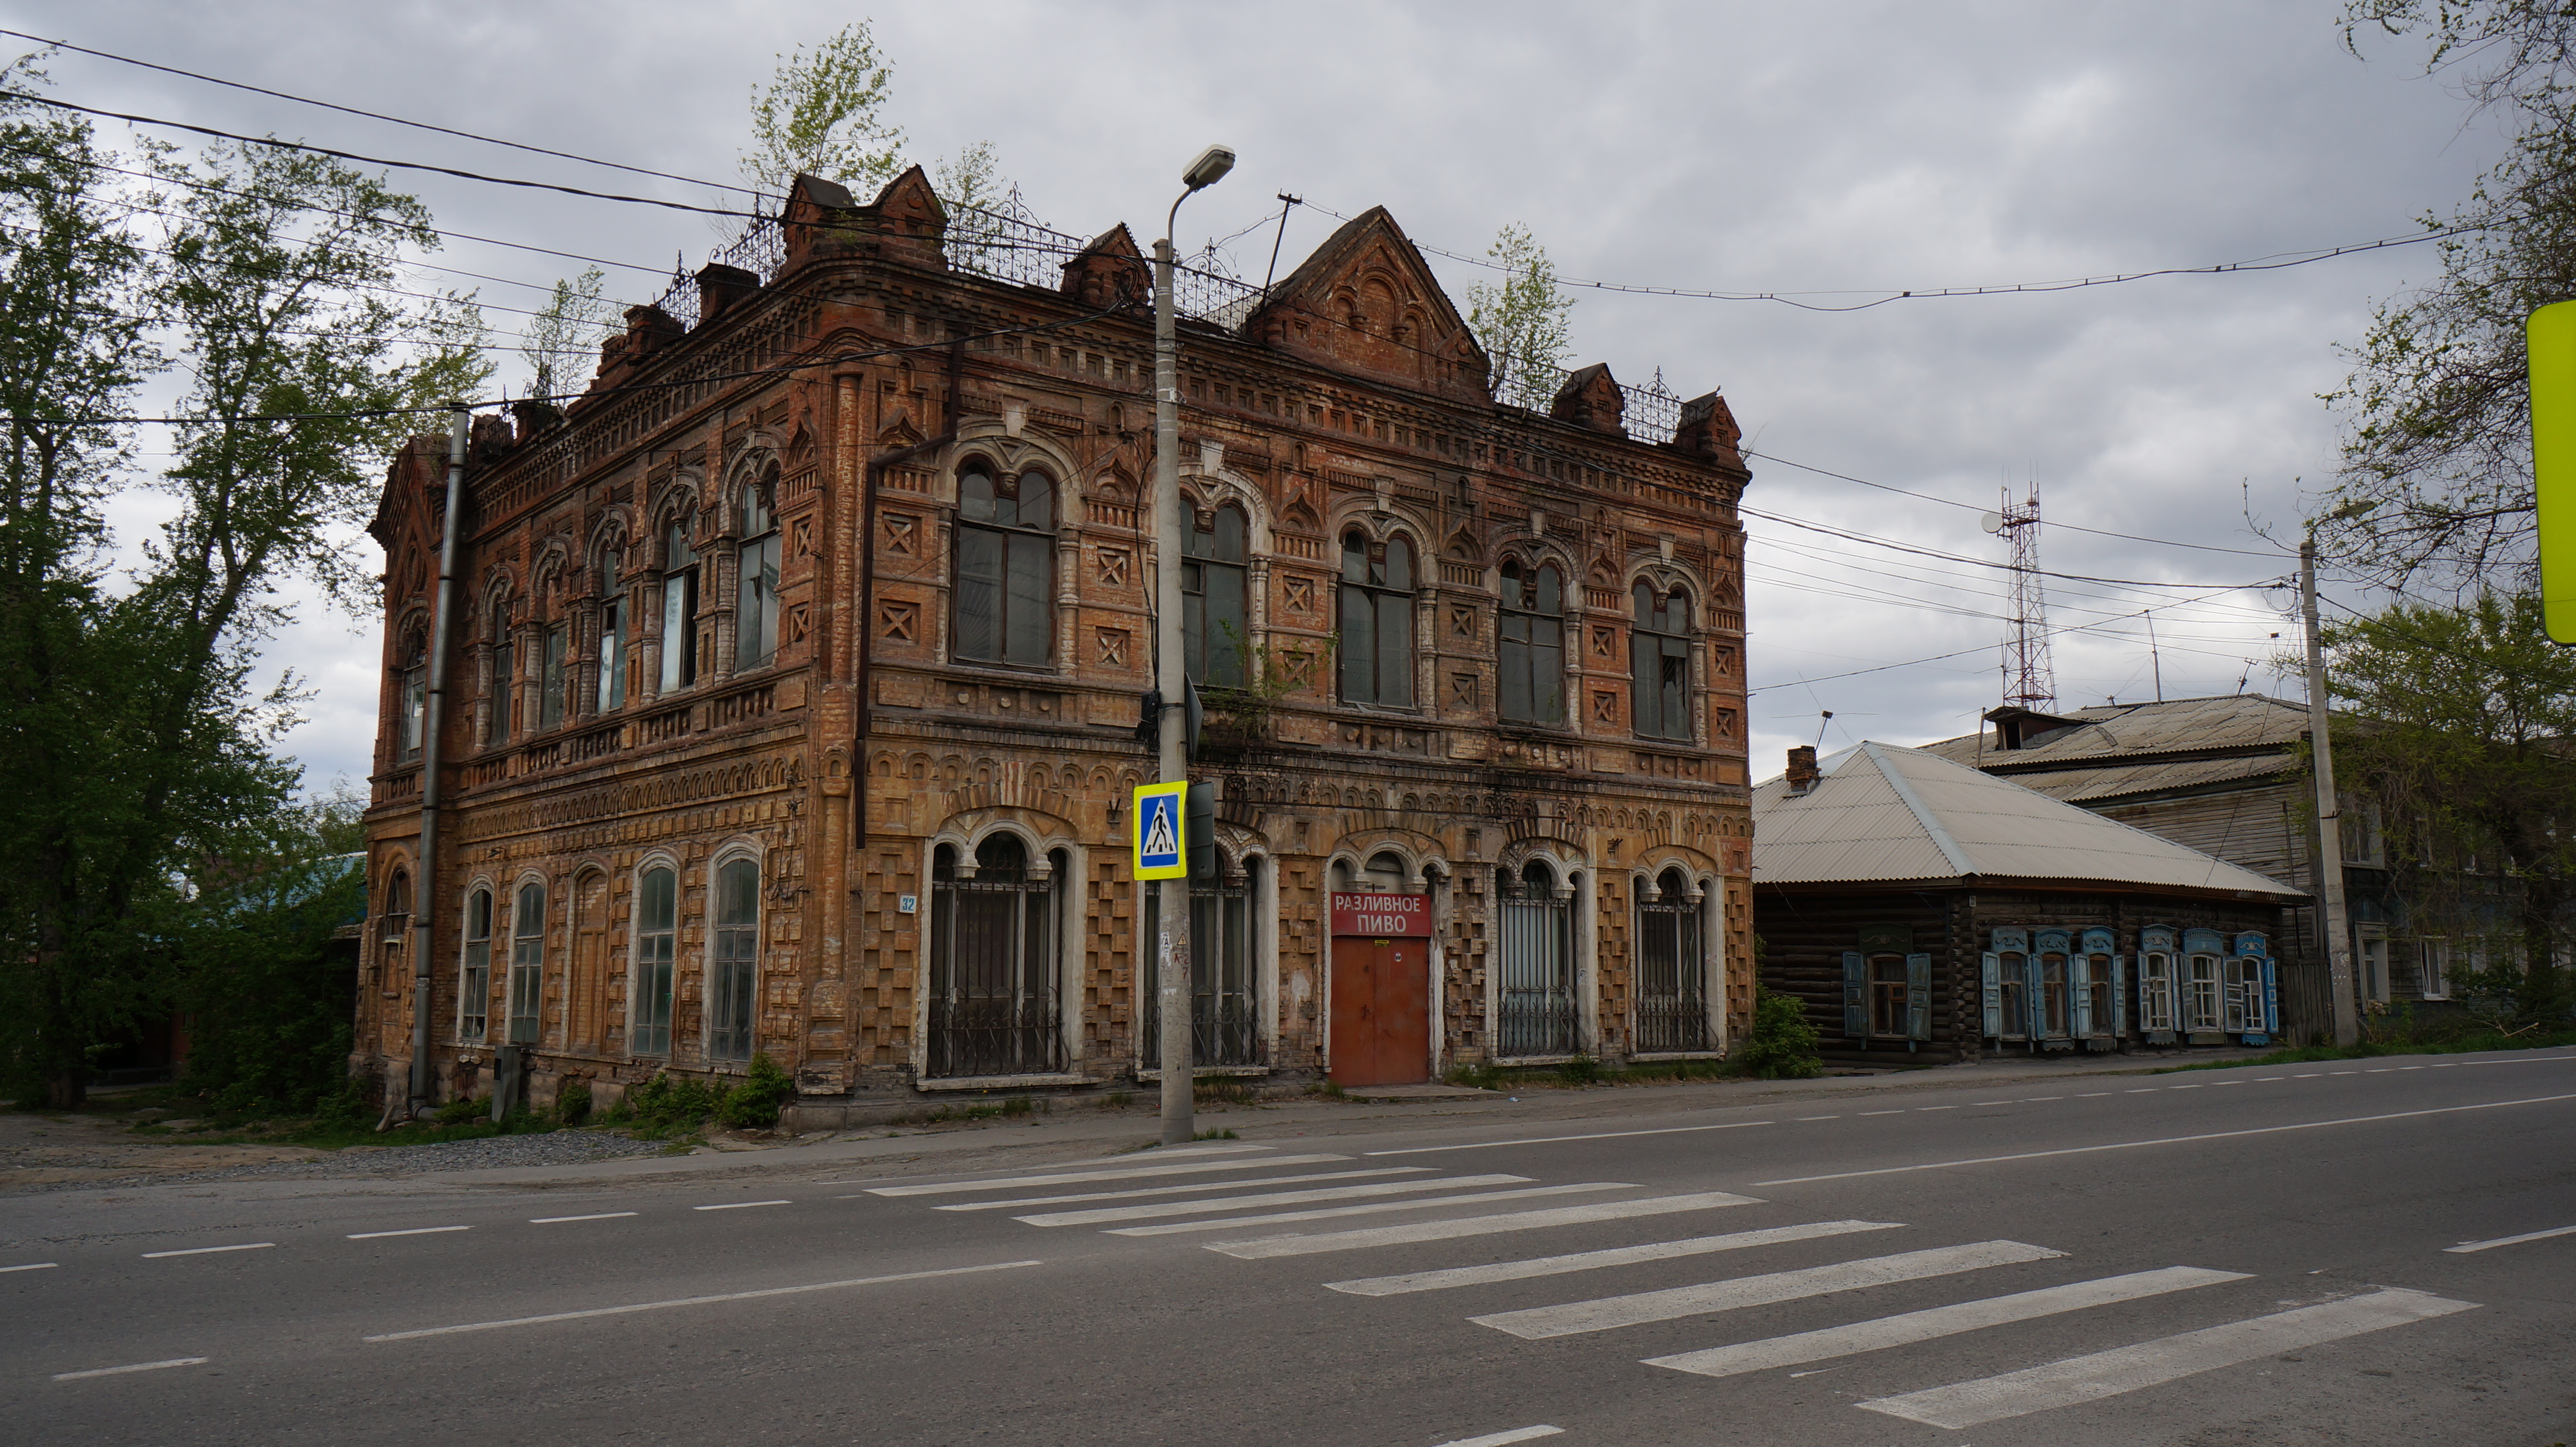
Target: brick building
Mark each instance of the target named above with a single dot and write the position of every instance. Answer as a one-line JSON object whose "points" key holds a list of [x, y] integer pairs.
{"points": [[796, 671]]}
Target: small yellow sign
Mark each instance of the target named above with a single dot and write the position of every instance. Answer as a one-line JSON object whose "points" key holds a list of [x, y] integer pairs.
{"points": [[1162, 848], [2551, 337]]}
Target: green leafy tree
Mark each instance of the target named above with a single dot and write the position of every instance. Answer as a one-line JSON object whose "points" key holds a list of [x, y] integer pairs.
{"points": [[2437, 404], [565, 334], [979, 202], [2463, 728], [821, 115], [1521, 321]]}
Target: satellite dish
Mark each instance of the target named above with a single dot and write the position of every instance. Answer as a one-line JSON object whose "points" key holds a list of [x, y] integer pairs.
{"points": [[1992, 522]]}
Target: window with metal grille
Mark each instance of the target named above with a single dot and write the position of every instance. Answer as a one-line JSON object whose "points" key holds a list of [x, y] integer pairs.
{"points": [[1376, 639], [734, 962], [1005, 566], [993, 1005], [679, 610], [1224, 973], [755, 616], [657, 921], [1216, 629], [1659, 665], [1538, 1014], [527, 963], [474, 978], [1530, 646], [1672, 973]]}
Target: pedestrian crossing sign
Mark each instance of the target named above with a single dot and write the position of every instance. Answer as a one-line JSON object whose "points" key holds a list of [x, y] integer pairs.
{"points": [[1161, 850]]}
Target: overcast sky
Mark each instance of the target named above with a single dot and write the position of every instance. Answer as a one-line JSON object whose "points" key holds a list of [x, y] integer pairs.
{"points": [[1827, 150]]}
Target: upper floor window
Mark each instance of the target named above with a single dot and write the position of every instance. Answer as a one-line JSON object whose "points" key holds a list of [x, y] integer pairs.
{"points": [[415, 698], [612, 639], [679, 610], [1659, 665], [550, 686], [1377, 621], [1215, 627], [504, 697], [755, 618], [1005, 566], [1531, 646]]}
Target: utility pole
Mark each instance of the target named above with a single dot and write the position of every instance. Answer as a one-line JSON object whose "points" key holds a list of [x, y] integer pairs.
{"points": [[2330, 905], [1171, 673]]}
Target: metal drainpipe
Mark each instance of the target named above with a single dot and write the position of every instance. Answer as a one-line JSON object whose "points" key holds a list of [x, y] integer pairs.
{"points": [[424, 913], [871, 475]]}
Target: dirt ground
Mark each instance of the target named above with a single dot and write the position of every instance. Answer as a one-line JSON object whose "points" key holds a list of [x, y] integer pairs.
{"points": [[51, 1149]]}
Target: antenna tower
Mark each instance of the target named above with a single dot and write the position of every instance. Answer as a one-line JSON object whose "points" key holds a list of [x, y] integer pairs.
{"points": [[2029, 679]]}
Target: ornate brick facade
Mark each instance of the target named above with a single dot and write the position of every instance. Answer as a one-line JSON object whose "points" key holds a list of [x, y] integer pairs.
{"points": [[927, 676]]}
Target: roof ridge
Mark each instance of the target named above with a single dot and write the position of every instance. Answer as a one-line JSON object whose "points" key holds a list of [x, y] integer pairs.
{"points": [[1940, 834]]}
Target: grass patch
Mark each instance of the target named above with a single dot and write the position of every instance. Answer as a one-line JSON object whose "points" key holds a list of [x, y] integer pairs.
{"points": [[1216, 1135]]}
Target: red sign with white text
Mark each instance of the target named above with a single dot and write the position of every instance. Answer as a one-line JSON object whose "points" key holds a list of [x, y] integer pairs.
{"points": [[1382, 915]]}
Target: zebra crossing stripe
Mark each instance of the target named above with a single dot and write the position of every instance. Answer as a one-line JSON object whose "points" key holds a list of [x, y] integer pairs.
{"points": [[1099, 1214], [1180, 1190], [1130, 1173], [2078, 1380], [1265, 1247], [1608, 1312], [1322, 1213], [1940, 1321], [1593, 1260]]}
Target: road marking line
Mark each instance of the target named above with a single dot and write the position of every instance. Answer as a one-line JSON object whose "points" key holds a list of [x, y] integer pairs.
{"points": [[696, 1301], [2174, 1140], [1800, 1348], [1549, 1140], [2091, 1378], [1936, 1107], [2343, 1072], [2267, 1079], [1504, 1439], [2093, 1095], [1804, 1118], [32, 1266], [2311, 1075], [2215, 1083], [1012, 1183], [2381, 1070], [2465, 1247], [1593, 1260], [740, 1205], [2143, 1090], [1993, 1102], [1882, 1112], [558, 1220], [209, 1250], [1608, 1312], [137, 1367], [2036, 1099], [1322, 1213], [1178, 1190], [2183, 1087], [1099, 1214], [414, 1231], [2410, 1067], [2438, 1065], [1418, 1231]]}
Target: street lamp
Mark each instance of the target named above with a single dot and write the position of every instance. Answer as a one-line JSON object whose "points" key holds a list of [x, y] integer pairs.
{"points": [[1172, 927]]}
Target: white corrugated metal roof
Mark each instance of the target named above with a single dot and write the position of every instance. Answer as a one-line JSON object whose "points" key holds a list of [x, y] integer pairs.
{"points": [[1882, 812]]}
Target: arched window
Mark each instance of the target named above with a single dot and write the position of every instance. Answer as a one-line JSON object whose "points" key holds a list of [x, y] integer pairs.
{"points": [[550, 684], [612, 636], [414, 703], [657, 929], [1659, 665], [2156, 987], [1005, 566], [1216, 630], [474, 981], [1224, 972], [679, 609], [527, 963], [1376, 639], [993, 922], [1531, 645], [503, 696], [736, 961], [755, 618], [1539, 1015], [1672, 971], [398, 900]]}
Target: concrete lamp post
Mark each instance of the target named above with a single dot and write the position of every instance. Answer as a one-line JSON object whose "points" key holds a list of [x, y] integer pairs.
{"points": [[1171, 681]]}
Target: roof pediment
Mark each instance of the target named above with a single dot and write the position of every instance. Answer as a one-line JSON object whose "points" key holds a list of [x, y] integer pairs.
{"points": [[1365, 302]]}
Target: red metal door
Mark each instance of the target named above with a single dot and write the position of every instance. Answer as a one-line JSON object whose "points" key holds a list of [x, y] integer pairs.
{"points": [[1381, 1011]]}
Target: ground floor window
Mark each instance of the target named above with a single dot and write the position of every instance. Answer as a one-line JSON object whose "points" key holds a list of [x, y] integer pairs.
{"points": [[734, 961], [2096, 995], [1536, 1012], [527, 964], [474, 987], [2156, 992], [2245, 1013], [2055, 1021], [1672, 969], [2374, 968], [2013, 990], [993, 1006], [1887, 995], [1225, 978], [2435, 981], [2201, 994], [657, 920]]}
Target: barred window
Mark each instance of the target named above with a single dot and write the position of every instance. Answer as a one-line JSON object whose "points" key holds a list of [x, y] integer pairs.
{"points": [[612, 640], [1672, 969], [993, 1007], [1539, 1014], [1224, 973]]}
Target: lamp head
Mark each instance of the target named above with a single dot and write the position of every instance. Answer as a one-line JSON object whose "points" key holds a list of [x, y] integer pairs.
{"points": [[1209, 168]]}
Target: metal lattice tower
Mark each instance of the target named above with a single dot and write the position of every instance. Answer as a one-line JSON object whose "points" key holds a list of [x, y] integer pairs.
{"points": [[2029, 679]]}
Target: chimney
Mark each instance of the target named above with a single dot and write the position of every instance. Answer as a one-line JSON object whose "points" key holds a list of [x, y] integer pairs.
{"points": [[1802, 769], [720, 286]]}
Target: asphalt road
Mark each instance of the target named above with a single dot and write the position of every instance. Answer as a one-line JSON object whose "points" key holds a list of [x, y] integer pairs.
{"points": [[2259, 1255]]}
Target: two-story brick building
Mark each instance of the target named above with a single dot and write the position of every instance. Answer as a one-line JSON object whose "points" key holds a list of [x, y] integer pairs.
{"points": [[796, 670]]}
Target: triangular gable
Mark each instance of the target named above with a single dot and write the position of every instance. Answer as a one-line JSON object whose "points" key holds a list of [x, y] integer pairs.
{"points": [[1591, 398], [1108, 271], [904, 220], [1365, 302]]}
